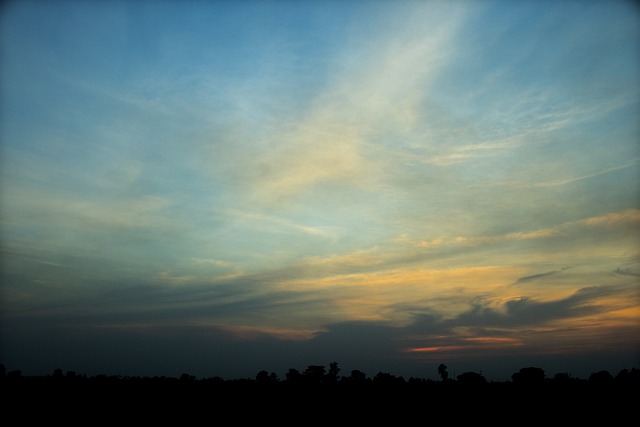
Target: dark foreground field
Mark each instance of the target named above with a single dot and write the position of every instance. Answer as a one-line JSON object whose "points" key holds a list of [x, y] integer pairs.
{"points": [[314, 397]]}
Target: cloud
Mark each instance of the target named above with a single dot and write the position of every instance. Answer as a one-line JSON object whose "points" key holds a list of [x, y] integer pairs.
{"points": [[604, 171], [353, 260], [255, 332], [274, 224], [612, 220], [75, 212], [366, 284], [339, 139], [629, 268], [525, 325], [538, 276], [526, 311], [449, 345]]}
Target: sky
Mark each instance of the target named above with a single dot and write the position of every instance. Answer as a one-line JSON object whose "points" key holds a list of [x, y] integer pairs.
{"points": [[223, 187]]}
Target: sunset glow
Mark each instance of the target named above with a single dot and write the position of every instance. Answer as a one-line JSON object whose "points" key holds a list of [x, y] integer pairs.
{"points": [[223, 187]]}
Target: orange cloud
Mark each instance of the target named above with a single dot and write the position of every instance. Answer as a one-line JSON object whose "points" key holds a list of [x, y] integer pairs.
{"points": [[433, 349], [252, 332], [468, 343], [493, 340]]}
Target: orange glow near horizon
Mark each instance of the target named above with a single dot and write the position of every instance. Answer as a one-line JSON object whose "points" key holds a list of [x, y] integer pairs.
{"points": [[434, 349]]}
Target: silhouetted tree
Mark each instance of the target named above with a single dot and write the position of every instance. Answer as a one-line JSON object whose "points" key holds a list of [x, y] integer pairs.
{"points": [[14, 375], [293, 376], [187, 378], [262, 377], [471, 378], [314, 374], [628, 377], [356, 377], [562, 377], [442, 371], [387, 379], [530, 375], [601, 377], [332, 376], [217, 380], [622, 374]]}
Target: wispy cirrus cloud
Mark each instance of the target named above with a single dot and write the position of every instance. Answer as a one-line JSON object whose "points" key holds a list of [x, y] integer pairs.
{"points": [[274, 224], [387, 177], [604, 171], [626, 218], [334, 140]]}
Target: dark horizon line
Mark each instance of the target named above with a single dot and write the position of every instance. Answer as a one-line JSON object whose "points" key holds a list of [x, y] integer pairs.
{"points": [[319, 374]]}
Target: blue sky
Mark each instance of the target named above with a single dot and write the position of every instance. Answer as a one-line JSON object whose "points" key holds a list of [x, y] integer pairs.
{"points": [[223, 187]]}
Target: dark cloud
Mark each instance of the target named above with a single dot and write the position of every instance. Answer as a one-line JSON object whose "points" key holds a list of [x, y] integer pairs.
{"points": [[527, 311], [370, 345], [151, 329], [503, 322], [534, 277], [144, 351], [221, 302], [631, 268], [626, 272], [205, 351]]}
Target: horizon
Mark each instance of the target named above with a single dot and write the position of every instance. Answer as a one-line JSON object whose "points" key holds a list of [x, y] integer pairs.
{"points": [[220, 188], [333, 371]]}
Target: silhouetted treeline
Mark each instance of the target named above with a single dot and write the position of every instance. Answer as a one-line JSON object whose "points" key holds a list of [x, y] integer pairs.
{"points": [[601, 396], [320, 376]]}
